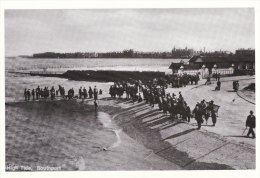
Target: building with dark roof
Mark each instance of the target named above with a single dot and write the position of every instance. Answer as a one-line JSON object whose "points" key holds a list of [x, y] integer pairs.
{"points": [[235, 61], [243, 59]]}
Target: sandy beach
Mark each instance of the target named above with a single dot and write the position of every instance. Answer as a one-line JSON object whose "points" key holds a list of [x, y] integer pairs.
{"points": [[71, 135]]}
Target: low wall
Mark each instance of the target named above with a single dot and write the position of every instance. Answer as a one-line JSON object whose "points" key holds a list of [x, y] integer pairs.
{"points": [[111, 76]]}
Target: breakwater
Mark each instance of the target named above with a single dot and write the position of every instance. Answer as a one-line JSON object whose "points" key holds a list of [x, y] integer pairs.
{"points": [[111, 76], [99, 75]]}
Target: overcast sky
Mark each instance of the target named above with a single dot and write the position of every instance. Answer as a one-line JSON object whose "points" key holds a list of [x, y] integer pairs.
{"points": [[33, 31]]}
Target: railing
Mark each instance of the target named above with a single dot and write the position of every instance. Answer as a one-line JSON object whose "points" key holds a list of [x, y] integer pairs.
{"points": [[193, 72], [204, 73], [223, 72]]}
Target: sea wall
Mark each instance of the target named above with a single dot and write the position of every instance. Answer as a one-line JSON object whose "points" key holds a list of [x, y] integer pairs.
{"points": [[98, 76], [111, 76]]}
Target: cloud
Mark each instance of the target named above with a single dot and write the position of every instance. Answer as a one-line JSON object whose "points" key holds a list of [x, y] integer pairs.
{"points": [[32, 31]]}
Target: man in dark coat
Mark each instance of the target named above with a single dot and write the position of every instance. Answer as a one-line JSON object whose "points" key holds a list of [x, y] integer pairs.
{"points": [[28, 93], [250, 122], [234, 85], [198, 116], [210, 108], [188, 112], [214, 117], [25, 94], [85, 93], [95, 93], [218, 85], [90, 92], [80, 92], [33, 93]]}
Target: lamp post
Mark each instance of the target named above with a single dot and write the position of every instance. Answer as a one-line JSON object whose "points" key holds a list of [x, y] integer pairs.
{"points": [[181, 69], [215, 68], [203, 70], [233, 68]]}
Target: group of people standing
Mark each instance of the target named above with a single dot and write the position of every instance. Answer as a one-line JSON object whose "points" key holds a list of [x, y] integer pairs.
{"points": [[39, 93], [205, 110], [116, 90], [83, 93], [181, 80]]}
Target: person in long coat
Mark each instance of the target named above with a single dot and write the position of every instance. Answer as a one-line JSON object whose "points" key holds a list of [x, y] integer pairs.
{"points": [[188, 113], [33, 93], [250, 122], [95, 93], [198, 116], [214, 117], [25, 94], [90, 92]]}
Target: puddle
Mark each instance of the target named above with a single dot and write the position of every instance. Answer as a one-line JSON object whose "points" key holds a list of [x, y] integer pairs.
{"points": [[106, 120]]}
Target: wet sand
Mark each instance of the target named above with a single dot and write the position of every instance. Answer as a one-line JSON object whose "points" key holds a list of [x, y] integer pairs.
{"points": [[71, 135]]}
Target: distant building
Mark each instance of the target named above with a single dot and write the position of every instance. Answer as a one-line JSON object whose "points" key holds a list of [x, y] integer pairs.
{"points": [[242, 60], [182, 53], [245, 52], [235, 61]]}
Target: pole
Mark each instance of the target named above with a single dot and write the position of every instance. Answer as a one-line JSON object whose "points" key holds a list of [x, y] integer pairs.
{"points": [[244, 131]]}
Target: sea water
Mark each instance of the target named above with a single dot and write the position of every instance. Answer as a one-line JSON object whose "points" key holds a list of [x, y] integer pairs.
{"points": [[16, 83]]}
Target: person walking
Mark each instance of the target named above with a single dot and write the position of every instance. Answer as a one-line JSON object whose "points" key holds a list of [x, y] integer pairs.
{"points": [[80, 92], [90, 92], [250, 122], [33, 94], [85, 93], [218, 85], [188, 112], [28, 93], [198, 115], [214, 117], [25, 94]]}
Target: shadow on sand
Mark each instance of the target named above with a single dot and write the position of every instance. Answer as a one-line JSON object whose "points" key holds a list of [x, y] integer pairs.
{"points": [[142, 132]]}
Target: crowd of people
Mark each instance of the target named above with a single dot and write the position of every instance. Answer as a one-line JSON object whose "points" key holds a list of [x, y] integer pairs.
{"points": [[205, 110], [38, 93], [181, 80], [177, 107], [43, 93], [153, 93]]}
